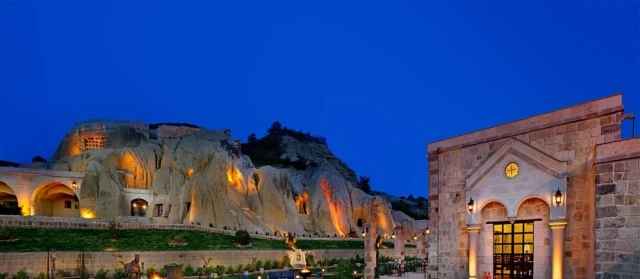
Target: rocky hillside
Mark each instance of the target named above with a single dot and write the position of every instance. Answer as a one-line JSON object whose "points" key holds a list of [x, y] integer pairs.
{"points": [[287, 181]]}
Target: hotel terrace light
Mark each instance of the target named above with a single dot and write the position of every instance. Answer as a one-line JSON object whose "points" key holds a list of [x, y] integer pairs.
{"points": [[470, 204], [427, 230], [558, 197], [74, 184]]}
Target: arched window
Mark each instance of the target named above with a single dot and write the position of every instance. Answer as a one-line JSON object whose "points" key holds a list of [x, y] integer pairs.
{"points": [[139, 207]]}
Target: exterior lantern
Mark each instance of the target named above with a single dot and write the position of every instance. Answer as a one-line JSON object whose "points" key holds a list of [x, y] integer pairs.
{"points": [[415, 237], [74, 184], [427, 230], [393, 236], [470, 204], [558, 197], [363, 234]]}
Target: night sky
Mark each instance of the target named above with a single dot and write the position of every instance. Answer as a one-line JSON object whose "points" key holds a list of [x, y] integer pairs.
{"points": [[378, 79]]}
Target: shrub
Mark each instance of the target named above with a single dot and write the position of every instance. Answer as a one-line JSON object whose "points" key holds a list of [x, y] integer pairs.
{"points": [[119, 273], [150, 271], [276, 264], [6, 209], [310, 260], [38, 159], [230, 270], [5, 235], [188, 271], [239, 269], [285, 261], [250, 267], [343, 270], [21, 274], [102, 273], [163, 272], [3, 275], [83, 273], [267, 265], [243, 237], [333, 261], [41, 275], [259, 265]]}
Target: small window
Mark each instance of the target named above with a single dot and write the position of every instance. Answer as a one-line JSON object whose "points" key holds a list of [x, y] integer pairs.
{"points": [[188, 206], [67, 204], [76, 206], [160, 210]]}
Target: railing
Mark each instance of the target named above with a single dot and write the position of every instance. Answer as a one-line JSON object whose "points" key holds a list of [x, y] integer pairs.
{"points": [[398, 269]]}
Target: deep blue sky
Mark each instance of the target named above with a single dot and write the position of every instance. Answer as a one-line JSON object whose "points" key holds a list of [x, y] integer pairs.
{"points": [[378, 79]]}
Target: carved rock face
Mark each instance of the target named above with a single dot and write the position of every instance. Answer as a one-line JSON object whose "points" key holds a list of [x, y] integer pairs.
{"points": [[200, 181]]}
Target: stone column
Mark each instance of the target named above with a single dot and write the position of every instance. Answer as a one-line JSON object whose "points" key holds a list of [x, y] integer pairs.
{"points": [[369, 250], [398, 244], [473, 231], [421, 245], [557, 250]]}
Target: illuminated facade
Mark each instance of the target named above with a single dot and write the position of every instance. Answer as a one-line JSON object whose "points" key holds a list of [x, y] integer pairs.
{"points": [[551, 196]]}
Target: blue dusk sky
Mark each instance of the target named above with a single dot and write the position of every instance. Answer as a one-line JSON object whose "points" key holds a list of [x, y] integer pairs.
{"points": [[378, 79]]}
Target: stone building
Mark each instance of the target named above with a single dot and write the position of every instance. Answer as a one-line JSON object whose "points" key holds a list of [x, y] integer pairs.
{"points": [[551, 196]]}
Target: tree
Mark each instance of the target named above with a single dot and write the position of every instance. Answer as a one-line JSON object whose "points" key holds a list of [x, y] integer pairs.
{"points": [[275, 127], [252, 138], [363, 184], [38, 159], [243, 237]]}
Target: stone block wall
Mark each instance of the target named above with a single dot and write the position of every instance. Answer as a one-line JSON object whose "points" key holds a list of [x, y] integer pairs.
{"points": [[569, 135], [618, 210]]}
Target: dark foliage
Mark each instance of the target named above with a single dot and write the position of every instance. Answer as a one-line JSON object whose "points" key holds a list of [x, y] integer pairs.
{"points": [[6, 209], [415, 212], [252, 137], [277, 129], [8, 164], [243, 237], [38, 159], [363, 184]]}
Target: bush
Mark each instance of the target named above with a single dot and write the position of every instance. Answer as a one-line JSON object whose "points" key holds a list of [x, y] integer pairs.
{"points": [[344, 270], [267, 265], [6, 209], [113, 230], [286, 262], [102, 273], [230, 270], [333, 261], [119, 273], [188, 271], [3, 275], [163, 272], [21, 274], [150, 271], [310, 261], [239, 269], [250, 267], [243, 237], [276, 264], [259, 265], [41, 275]]}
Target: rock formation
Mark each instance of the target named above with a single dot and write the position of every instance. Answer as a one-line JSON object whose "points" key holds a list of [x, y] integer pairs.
{"points": [[210, 182]]}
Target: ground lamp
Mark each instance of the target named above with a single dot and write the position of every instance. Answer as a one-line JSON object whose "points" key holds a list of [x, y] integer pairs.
{"points": [[305, 272], [470, 204], [558, 197]]}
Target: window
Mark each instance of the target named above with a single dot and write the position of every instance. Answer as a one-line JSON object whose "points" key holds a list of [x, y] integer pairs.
{"points": [[76, 206], [513, 250], [160, 210], [188, 205], [139, 207], [67, 204]]}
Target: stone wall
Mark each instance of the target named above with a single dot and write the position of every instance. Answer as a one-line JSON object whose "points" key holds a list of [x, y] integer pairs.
{"points": [[569, 135], [618, 210], [36, 262]]}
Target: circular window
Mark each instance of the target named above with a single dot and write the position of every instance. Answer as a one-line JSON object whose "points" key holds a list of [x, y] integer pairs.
{"points": [[512, 169]]}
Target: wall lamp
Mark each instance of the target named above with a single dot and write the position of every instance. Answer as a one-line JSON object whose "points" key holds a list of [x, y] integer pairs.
{"points": [[427, 230], [558, 197], [415, 237], [74, 184], [470, 204], [363, 234], [393, 236]]}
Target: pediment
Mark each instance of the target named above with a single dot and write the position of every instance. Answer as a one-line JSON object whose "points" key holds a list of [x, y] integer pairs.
{"points": [[524, 152]]}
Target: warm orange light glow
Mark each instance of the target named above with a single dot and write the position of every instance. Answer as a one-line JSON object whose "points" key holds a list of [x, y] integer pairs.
{"points": [[156, 275], [301, 203], [189, 172], [234, 176], [334, 210], [87, 213]]}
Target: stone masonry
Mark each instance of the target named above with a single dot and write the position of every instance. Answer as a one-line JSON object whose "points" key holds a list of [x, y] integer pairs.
{"points": [[618, 210], [569, 134]]}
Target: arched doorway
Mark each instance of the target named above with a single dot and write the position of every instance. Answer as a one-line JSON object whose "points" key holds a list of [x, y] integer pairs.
{"points": [[139, 207], [8, 199], [55, 199]]}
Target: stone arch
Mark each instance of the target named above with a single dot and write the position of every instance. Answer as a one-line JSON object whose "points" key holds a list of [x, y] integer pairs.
{"points": [[493, 210], [533, 207], [55, 199], [8, 195], [139, 207]]}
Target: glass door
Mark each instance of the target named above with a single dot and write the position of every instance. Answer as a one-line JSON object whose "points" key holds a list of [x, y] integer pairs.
{"points": [[513, 250]]}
